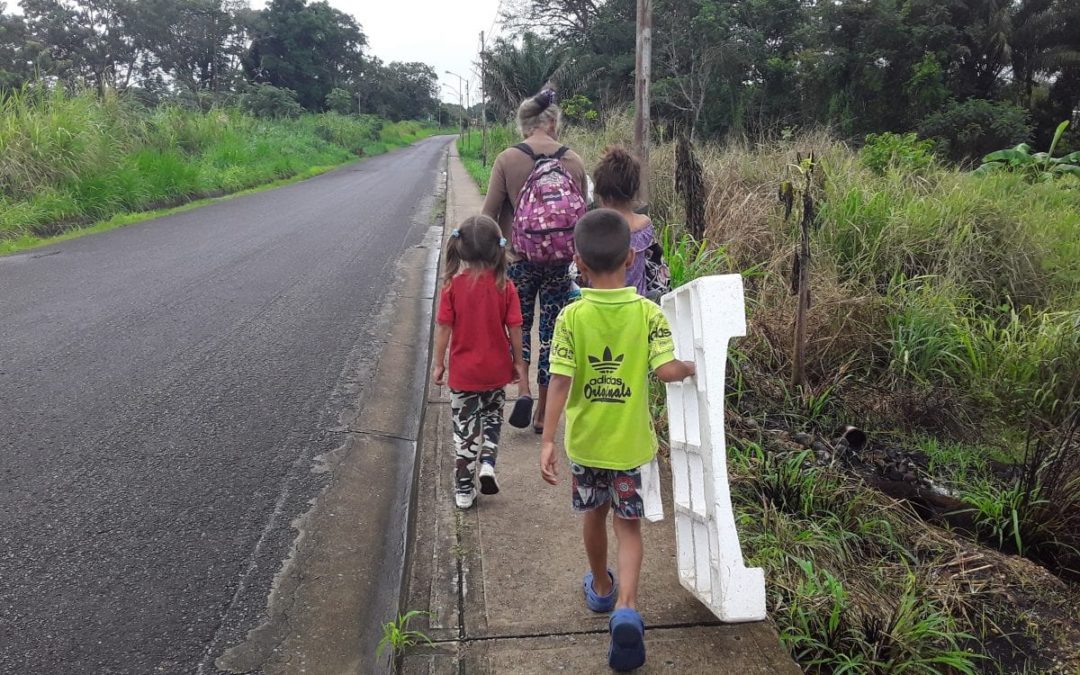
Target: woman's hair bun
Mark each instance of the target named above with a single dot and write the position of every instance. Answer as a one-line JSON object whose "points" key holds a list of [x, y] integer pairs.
{"points": [[545, 98]]}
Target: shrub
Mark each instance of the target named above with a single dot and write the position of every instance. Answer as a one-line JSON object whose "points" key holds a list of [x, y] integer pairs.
{"points": [[340, 101], [579, 109], [268, 101], [904, 152], [967, 131]]}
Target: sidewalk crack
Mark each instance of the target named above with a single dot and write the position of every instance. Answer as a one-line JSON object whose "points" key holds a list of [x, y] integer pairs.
{"points": [[466, 640]]}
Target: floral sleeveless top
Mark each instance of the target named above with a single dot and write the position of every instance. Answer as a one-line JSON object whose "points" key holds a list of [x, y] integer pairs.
{"points": [[640, 241]]}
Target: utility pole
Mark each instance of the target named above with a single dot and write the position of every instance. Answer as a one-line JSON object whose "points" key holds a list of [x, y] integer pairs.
{"points": [[642, 70], [483, 104]]}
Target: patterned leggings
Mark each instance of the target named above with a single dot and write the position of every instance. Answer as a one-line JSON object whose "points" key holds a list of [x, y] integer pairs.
{"points": [[477, 419], [552, 284]]}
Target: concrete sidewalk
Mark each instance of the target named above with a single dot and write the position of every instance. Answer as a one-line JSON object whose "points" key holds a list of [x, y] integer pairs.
{"points": [[502, 581]]}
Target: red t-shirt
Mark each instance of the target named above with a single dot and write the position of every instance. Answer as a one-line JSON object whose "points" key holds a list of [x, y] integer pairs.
{"points": [[478, 314]]}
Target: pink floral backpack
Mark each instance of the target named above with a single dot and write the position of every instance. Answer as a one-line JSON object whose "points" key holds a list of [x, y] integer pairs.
{"points": [[548, 208]]}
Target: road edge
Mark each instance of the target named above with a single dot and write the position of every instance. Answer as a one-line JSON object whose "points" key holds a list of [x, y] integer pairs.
{"points": [[338, 586]]}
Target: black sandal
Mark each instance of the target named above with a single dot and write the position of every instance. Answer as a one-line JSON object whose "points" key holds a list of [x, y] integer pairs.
{"points": [[522, 412]]}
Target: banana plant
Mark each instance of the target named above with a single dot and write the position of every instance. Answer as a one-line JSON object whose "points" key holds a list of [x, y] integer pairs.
{"points": [[1038, 166]]}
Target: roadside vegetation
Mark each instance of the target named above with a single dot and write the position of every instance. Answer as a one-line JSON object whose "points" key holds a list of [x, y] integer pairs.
{"points": [[70, 160], [109, 108], [945, 325], [471, 150]]}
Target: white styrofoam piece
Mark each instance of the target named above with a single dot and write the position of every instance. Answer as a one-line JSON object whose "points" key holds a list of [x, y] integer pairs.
{"points": [[704, 315], [650, 492]]}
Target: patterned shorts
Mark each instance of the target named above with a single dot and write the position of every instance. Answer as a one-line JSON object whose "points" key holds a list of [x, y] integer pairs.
{"points": [[592, 488]]}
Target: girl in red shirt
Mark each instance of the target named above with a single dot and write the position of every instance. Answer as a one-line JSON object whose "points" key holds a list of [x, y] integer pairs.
{"points": [[479, 319]]}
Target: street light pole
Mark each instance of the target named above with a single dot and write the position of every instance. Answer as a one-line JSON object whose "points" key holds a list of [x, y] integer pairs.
{"points": [[463, 84], [468, 116]]}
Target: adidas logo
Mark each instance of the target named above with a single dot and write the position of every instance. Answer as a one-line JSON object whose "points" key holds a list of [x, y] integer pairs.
{"points": [[607, 363]]}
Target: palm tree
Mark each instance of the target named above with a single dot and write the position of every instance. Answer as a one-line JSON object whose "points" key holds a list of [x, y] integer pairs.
{"points": [[515, 70]]}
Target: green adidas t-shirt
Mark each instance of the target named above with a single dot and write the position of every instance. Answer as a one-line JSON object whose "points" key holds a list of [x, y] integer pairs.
{"points": [[608, 341]]}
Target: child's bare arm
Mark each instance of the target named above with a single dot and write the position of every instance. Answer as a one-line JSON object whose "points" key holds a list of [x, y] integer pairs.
{"points": [[558, 392], [676, 371], [438, 359]]}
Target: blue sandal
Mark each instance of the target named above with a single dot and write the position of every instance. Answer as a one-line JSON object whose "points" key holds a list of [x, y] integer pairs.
{"points": [[600, 604], [627, 650]]}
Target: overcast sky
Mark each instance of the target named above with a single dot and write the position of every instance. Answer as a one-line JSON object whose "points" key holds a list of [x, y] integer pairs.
{"points": [[441, 33]]}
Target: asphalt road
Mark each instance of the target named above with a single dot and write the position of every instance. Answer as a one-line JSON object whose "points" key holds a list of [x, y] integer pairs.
{"points": [[165, 390]]}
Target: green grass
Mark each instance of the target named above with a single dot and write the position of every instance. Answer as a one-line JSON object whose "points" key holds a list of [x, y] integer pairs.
{"points": [[74, 163], [29, 241], [470, 149]]}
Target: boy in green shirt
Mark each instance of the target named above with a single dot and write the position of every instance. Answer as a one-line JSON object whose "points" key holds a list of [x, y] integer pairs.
{"points": [[603, 348]]}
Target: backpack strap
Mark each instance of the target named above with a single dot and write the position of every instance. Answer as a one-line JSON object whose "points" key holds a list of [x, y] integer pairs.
{"points": [[524, 147]]}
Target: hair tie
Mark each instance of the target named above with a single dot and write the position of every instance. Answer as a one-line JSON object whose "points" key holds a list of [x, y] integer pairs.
{"points": [[545, 98], [455, 233], [502, 242]]}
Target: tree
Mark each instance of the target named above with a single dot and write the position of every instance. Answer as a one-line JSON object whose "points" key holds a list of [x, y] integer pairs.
{"points": [[89, 42], [341, 101], [19, 56], [567, 20], [197, 44], [308, 48], [266, 100], [398, 90], [970, 130], [514, 70]]}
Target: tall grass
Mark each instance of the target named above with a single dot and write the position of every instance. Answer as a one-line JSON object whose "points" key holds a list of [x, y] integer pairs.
{"points": [[942, 304], [68, 160], [928, 279], [471, 150]]}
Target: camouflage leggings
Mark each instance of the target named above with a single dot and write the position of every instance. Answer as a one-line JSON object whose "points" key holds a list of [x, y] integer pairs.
{"points": [[477, 419]]}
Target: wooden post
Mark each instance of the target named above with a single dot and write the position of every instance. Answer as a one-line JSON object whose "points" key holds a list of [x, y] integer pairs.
{"points": [[643, 68], [802, 280]]}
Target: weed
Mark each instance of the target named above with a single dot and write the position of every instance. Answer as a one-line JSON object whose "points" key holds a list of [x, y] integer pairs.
{"points": [[397, 636], [996, 511], [688, 259]]}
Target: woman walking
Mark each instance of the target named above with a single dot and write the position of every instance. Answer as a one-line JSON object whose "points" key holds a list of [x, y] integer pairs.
{"points": [[538, 279]]}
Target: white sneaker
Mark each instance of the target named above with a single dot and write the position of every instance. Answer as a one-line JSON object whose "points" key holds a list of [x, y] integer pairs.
{"points": [[465, 499], [488, 484]]}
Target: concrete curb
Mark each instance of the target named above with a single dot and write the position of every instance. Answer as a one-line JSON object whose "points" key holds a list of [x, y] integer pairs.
{"points": [[343, 579], [434, 240]]}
